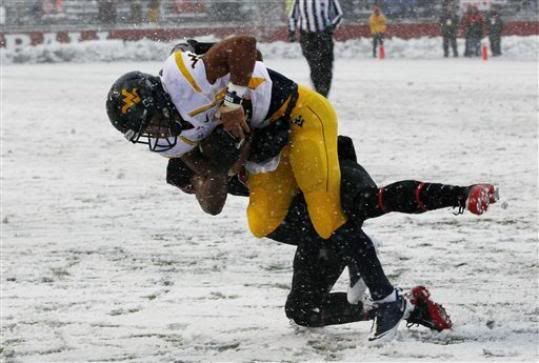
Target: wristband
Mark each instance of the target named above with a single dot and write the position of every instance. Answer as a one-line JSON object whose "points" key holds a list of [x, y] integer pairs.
{"points": [[234, 95]]}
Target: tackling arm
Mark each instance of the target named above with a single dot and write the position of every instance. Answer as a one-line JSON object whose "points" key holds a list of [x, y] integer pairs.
{"points": [[207, 182], [204, 170], [235, 56], [209, 190]]}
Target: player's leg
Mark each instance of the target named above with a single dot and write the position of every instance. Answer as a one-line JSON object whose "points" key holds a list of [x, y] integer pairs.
{"points": [[353, 245], [355, 181], [317, 266], [314, 160], [325, 68], [316, 62], [446, 46], [454, 46], [411, 196], [362, 199], [311, 52], [270, 195]]}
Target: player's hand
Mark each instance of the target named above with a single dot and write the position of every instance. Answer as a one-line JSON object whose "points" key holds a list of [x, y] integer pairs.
{"points": [[245, 149], [234, 121]]}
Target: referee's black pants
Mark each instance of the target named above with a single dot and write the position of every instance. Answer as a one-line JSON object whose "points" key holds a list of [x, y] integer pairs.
{"points": [[317, 48]]}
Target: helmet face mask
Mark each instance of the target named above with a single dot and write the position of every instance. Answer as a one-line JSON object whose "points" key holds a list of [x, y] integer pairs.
{"points": [[160, 134], [141, 110]]}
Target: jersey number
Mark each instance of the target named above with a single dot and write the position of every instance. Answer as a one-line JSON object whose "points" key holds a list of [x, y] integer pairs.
{"points": [[194, 59]]}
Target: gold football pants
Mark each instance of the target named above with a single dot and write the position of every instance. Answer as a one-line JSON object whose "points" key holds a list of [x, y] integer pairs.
{"points": [[308, 163]]}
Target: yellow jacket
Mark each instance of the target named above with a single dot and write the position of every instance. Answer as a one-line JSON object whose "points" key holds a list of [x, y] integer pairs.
{"points": [[377, 23]]}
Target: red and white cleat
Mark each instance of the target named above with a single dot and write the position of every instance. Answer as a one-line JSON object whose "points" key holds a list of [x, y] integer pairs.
{"points": [[426, 312], [480, 196]]}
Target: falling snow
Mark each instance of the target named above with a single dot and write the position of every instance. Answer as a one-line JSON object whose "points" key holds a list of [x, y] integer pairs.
{"points": [[103, 261]]}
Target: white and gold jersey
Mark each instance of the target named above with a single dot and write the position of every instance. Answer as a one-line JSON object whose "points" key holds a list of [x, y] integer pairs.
{"points": [[198, 101]]}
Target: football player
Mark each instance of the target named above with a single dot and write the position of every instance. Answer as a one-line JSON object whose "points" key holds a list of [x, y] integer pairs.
{"points": [[195, 93], [318, 263]]}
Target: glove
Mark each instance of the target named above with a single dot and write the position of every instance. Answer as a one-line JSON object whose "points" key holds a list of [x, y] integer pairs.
{"points": [[292, 36]]}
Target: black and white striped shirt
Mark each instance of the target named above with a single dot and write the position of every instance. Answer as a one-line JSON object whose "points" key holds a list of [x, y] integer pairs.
{"points": [[315, 15]]}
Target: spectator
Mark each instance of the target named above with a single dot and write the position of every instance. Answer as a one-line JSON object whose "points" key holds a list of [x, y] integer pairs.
{"points": [[135, 14], [495, 28], [449, 23], [49, 10], [106, 11], [36, 11], [47, 7], [154, 11], [59, 7], [316, 20], [473, 31], [378, 26], [410, 7]]}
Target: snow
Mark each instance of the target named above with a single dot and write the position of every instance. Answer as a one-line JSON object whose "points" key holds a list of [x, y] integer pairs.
{"points": [[102, 261]]}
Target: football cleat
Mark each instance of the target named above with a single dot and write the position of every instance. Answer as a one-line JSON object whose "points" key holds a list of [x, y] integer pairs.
{"points": [[426, 312], [480, 196], [388, 317]]}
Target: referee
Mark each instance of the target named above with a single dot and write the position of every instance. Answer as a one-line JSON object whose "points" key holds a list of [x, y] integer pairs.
{"points": [[316, 20]]}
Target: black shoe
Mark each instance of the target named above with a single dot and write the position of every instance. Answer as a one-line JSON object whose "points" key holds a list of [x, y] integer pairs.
{"points": [[387, 318]]}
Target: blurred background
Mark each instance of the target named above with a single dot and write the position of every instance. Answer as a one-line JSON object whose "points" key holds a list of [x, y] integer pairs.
{"points": [[54, 15]]}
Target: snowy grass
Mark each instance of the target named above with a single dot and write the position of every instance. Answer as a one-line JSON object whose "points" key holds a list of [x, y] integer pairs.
{"points": [[102, 261]]}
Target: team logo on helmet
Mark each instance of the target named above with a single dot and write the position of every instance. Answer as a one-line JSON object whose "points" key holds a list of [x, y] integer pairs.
{"points": [[130, 99]]}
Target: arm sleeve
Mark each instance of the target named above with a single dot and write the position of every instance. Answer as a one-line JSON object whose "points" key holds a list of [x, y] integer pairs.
{"points": [[337, 11], [293, 17]]}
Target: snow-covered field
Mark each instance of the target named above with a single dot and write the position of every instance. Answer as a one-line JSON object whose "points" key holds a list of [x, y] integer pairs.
{"points": [[102, 261]]}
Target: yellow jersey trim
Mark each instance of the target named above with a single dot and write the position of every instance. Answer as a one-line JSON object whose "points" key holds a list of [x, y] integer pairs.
{"points": [[218, 97], [255, 82], [187, 141], [185, 72]]}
